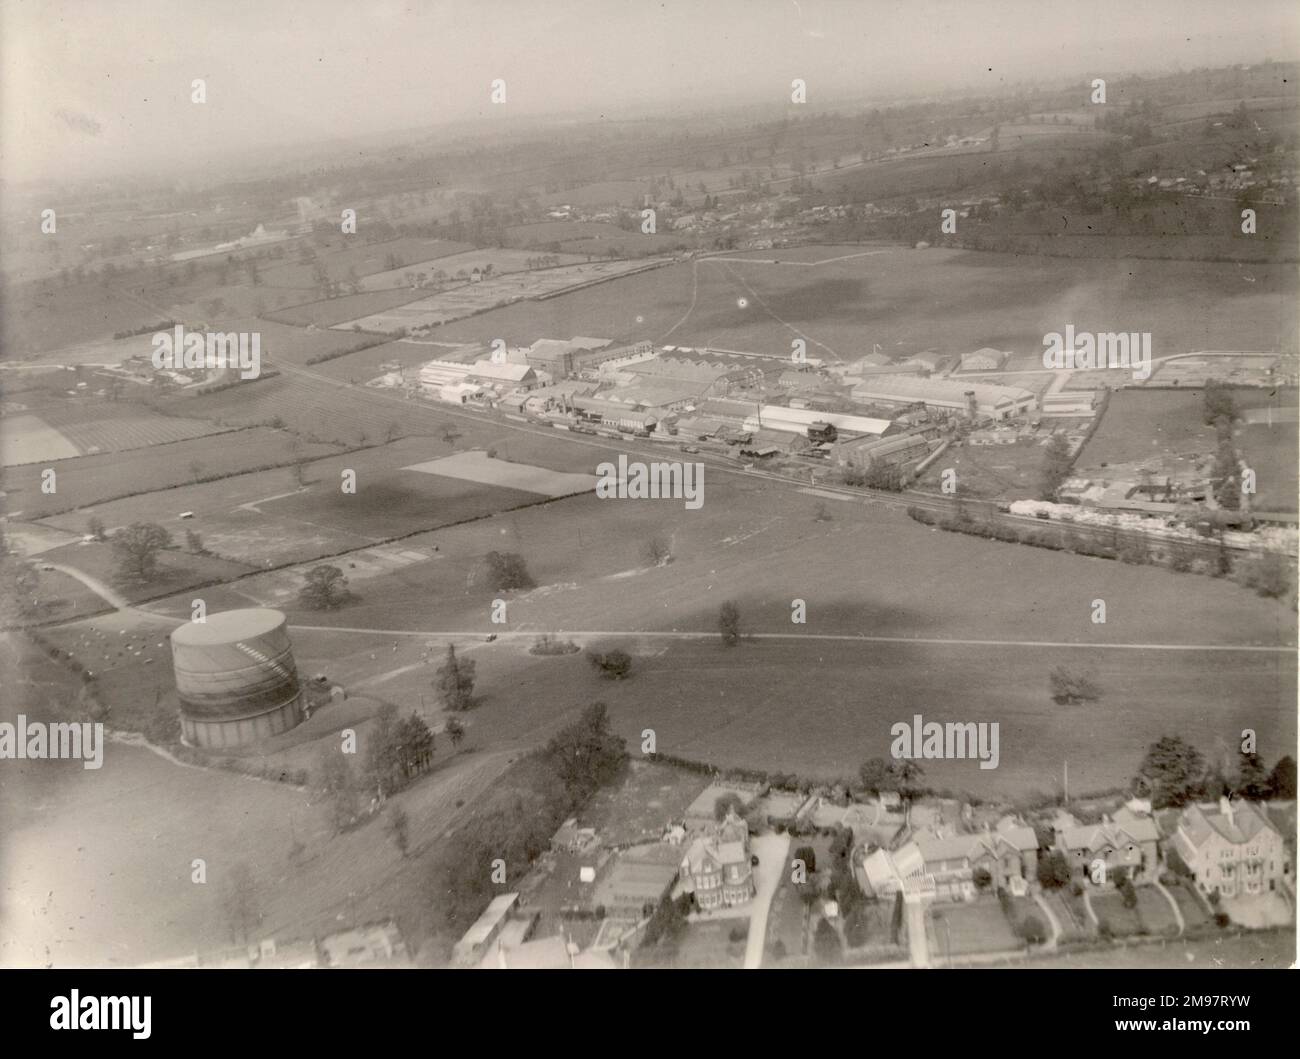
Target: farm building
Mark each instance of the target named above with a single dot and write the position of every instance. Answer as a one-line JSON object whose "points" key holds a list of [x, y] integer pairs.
{"points": [[236, 678], [966, 398], [985, 359]]}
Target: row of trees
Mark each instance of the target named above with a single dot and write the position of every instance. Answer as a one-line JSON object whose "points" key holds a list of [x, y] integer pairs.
{"points": [[1175, 773]]}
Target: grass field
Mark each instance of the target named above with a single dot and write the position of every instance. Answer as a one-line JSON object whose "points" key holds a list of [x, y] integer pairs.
{"points": [[458, 266], [90, 480], [459, 302], [909, 300], [823, 706], [1140, 424], [347, 307], [1271, 453]]}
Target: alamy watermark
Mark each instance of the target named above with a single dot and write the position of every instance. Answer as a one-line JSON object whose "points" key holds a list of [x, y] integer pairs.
{"points": [[951, 741], [61, 741], [1084, 351], [218, 350], [77, 1012], [634, 480]]}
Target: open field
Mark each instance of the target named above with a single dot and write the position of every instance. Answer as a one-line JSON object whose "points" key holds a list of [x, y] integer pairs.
{"points": [[89, 480], [1143, 423], [596, 238], [65, 430], [267, 515], [585, 555], [493, 291], [339, 258], [333, 311], [458, 266], [1270, 451], [909, 300]]}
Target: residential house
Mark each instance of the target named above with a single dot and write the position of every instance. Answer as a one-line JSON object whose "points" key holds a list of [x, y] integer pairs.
{"points": [[888, 872], [1007, 852], [1128, 840], [1232, 848], [716, 867]]}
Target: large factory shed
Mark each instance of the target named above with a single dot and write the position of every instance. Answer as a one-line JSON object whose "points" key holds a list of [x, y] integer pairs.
{"points": [[236, 678]]}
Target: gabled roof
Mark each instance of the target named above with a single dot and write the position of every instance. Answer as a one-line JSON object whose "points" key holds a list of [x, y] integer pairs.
{"points": [[1113, 834], [1242, 823]]}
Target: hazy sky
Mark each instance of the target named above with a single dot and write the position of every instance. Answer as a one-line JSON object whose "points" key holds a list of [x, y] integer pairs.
{"points": [[91, 86]]}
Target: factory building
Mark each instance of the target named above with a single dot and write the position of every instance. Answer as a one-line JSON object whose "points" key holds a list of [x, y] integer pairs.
{"points": [[963, 397], [236, 678]]}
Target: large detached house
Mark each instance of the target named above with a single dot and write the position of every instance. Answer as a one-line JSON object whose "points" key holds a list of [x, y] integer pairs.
{"points": [[1231, 847], [716, 866], [1127, 840]]}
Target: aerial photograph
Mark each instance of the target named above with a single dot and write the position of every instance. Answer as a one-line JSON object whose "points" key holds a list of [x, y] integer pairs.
{"points": [[755, 484]]}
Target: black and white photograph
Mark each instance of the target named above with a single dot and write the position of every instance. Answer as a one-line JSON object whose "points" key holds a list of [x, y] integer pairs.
{"points": [[796, 485]]}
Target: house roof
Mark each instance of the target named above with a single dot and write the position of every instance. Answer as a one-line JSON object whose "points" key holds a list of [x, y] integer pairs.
{"points": [[1240, 823], [1113, 833]]}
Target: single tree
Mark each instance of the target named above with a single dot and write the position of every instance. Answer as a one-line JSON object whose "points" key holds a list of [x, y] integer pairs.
{"points": [[729, 623], [1251, 780], [876, 775], [809, 857], [324, 589], [334, 780], [1053, 870], [399, 828], [95, 527], [1071, 687], [585, 755], [656, 551], [505, 571], [454, 682], [136, 550], [455, 732], [1173, 771], [612, 665], [1281, 781], [1056, 466], [826, 944], [729, 802]]}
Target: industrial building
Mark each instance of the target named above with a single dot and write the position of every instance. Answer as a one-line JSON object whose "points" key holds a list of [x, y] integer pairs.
{"points": [[236, 678], [986, 359], [798, 420], [973, 399]]}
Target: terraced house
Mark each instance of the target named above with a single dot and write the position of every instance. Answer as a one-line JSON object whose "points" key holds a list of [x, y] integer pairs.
{"points": [[1231, 847]]}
